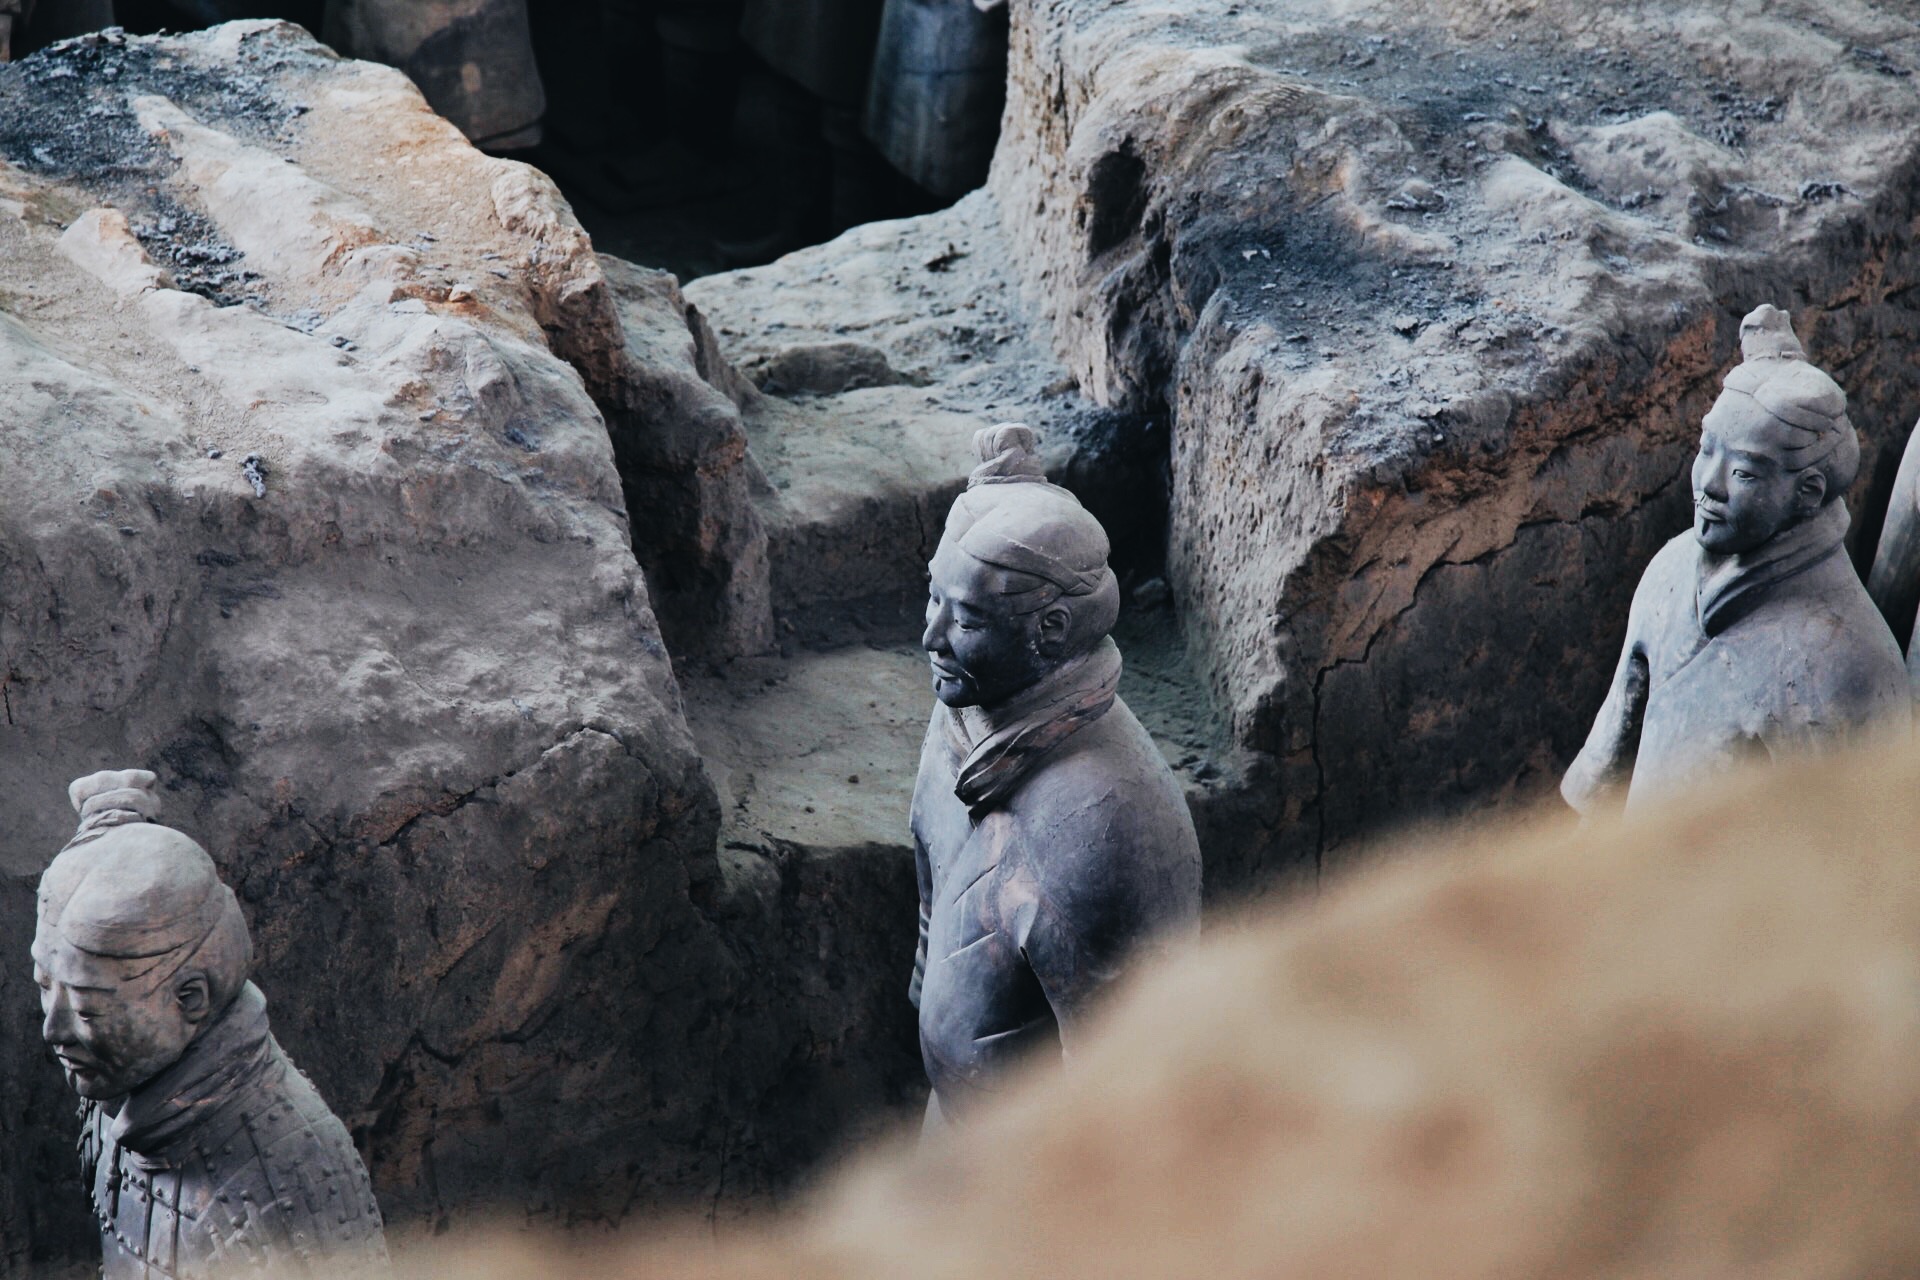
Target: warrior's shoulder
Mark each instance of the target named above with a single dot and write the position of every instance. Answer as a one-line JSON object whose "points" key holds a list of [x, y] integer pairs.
{"points": [[1666, 586], [1843, 641], [1673, 565], [1109, 768], [288, 1158], [1109, 812]]}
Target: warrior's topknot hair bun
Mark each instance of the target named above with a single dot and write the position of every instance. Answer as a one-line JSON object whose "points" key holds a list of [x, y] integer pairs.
{"points": [[1012, 517], [127, 888], [1766, 332], [113, 798], [1008, 453]]}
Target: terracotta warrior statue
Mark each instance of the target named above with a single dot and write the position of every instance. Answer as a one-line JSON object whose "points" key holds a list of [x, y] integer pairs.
{"points": [[205, 1149], [1894, 581], [1752, 633], [1052, 842]]}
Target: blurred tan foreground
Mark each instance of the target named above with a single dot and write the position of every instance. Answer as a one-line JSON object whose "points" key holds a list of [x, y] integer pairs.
{"points": [[1683, 1046]]}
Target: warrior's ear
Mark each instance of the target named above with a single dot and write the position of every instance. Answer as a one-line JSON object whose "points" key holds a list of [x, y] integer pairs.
{"points": [[1056, 623], [1811, 487], [195, 994]]}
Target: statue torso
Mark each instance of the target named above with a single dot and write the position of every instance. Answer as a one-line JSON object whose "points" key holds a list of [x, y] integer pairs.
{"points": [[263, 1175], [1035, 908], [1809, 662]]}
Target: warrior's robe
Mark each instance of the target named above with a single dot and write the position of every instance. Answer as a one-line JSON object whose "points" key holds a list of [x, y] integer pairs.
{"points": [[1052, 841], [1775, 651], [227, 1161]]}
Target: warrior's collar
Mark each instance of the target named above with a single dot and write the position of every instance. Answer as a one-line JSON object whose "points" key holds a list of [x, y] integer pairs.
{"points": [[1001, 745], [215, 1069], [1725, 586]]}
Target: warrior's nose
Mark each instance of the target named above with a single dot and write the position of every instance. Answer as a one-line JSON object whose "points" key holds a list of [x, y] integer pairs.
{"points": [[1710, 478], [934, 638], [58, 1027]]}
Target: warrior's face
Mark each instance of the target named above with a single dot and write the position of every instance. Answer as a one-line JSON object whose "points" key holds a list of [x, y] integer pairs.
{"points": [[1743, 493], [114, 1024], [981, 650]]}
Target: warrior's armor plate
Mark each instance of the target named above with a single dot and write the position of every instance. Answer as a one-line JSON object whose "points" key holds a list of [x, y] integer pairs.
{"points": [[229, 1161]]}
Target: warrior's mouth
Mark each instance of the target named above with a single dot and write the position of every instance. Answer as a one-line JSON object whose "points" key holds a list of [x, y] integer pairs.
{"points": [[944, 671]]}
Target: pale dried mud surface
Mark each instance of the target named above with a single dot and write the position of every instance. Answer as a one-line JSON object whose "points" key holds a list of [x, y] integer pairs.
{"points": [[333, 460]]}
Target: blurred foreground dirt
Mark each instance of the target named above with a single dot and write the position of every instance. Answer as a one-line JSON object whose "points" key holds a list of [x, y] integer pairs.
{"points": [[1687, 1045]]}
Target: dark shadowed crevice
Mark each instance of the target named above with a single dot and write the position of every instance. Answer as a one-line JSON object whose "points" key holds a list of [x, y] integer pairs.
{"points": [[1116, 198]]}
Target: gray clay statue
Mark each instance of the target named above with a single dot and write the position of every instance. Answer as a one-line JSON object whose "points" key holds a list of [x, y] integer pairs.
{"points": [[1052, 842], [1894, 581], [206, 1151], [1751, 634]]}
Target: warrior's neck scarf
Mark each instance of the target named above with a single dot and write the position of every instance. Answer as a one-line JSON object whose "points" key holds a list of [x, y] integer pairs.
{"points": [[1725, 586], [1001, 745], [215, 1071]]}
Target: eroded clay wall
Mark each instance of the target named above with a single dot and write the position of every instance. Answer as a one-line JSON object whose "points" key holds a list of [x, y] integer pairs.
{"points": [[1433, 296]]}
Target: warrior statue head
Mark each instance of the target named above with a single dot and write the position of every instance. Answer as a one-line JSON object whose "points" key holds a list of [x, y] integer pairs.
{"points": [[1019, 584], [1776, 448], [139, 946]]}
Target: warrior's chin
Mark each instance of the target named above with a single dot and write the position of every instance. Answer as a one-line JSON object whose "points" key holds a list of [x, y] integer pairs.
{"points": [[90, 1085], [1717, 536], [954, 693], [1723, 540]]}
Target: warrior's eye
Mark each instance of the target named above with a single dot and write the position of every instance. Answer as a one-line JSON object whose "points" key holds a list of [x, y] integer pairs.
{"points": [[1742, 475]]}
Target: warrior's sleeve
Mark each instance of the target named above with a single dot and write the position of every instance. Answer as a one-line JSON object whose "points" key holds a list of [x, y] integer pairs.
{"points": [[1606, 762], [924, 875]]}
